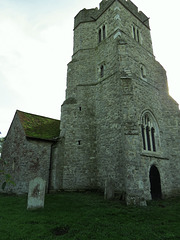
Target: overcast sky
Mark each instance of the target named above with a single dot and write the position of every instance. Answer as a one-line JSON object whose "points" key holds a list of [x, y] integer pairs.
{"points": [[36, 43]]}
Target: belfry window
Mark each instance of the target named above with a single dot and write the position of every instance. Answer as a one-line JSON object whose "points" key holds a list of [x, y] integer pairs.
{"points": [[136, 33], [138, 39], [102, 33], [150, 132]]}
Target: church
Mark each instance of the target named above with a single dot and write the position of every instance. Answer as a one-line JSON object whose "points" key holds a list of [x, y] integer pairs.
{"points": [[118, 122]]}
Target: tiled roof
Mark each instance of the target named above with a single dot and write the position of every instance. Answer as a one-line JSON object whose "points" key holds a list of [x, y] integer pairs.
{"points": [[39, 127]]}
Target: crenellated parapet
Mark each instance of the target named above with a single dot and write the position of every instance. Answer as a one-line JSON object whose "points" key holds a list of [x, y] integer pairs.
{"points": [[85, 15], [119, 128], [90, 15]]}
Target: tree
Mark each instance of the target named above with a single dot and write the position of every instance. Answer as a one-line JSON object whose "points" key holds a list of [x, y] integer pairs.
{"points": [[1, 144]]}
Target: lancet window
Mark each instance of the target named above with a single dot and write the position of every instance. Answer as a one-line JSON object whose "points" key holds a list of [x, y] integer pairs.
{"points": [[136, 33], [150, 133], [102, 33], [100, 38], [143, 71], [102, 71]]}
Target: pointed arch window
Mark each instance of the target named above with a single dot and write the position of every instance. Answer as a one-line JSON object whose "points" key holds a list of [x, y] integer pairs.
{"points": [[102, 71], [143, 71], [104, 32], [150, 132], [136, 34], [100, 35], [138, 38]]}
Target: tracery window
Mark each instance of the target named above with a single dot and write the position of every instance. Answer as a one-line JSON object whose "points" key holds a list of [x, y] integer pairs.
{"points": [[150, 132]]}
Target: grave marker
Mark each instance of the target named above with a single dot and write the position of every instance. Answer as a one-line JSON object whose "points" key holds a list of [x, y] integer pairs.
{"points": [[36, 194], [109, 189]]}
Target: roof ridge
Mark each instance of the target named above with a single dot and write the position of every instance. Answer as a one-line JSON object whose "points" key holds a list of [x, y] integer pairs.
{"points": [[19, 111], [39, 127]]}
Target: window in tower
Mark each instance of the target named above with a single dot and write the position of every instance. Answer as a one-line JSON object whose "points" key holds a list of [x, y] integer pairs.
{"points": [[150, 132], [148, 138], [102, 71], [136, 33], [143, 71], [143, 137], [104, 32], [100, 35], [138, 39], [153, 139]]}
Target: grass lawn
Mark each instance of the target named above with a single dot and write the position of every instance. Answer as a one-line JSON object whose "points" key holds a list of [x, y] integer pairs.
{"points": [[86, 216]]}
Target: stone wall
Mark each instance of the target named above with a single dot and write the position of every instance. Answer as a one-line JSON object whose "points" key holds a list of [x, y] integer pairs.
{"points": [[89, 15], [101, 116], [25, 158]]}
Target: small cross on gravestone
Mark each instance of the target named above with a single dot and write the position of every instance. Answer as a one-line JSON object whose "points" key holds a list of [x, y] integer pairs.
{"points": [[36, 194]]}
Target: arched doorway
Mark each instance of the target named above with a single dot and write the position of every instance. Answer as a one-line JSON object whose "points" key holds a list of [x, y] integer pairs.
{"points": [[155, 182]]}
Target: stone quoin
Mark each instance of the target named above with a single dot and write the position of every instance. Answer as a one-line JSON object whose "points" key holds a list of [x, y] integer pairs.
{"points": [[118, 122]]}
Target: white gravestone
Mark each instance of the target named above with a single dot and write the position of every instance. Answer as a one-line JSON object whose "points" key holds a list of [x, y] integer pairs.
{"points": [[109, 189], [36, 193]]}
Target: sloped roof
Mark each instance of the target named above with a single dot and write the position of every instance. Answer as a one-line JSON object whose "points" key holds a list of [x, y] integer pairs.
{"points": [[39, 127]]}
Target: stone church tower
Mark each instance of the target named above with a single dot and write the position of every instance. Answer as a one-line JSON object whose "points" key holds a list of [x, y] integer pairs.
{"points": [[118, 122]]}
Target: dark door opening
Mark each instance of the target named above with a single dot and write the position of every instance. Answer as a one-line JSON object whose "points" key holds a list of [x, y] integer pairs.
{"points": [[155, 182]]}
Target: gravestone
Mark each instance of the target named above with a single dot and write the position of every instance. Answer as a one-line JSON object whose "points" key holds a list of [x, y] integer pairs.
{"points": [[135, 200], [109, 190], [36, 193]]}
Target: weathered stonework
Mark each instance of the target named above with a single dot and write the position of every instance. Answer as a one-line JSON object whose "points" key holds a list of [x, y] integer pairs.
{"points": [[118, 121], [36, 194], [112, 80], [26, 157]]}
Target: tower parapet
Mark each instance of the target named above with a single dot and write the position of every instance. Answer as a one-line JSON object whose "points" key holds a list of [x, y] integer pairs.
{"points": [[85, 15], [118, 123], [90, 15]]}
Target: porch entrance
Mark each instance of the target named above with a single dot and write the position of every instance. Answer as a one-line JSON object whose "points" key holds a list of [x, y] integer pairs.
{"points": [[155, 182]]}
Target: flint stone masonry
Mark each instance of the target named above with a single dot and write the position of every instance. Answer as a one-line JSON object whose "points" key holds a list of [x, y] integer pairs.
{"points": [[26, 157], [109, 124], [90, 15], [36, 194], [118, 120]]}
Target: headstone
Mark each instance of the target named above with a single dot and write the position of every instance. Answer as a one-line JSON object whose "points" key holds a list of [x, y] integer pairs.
{"points": [[143, 203], [135, 200], [36, 194], [109, 190]]}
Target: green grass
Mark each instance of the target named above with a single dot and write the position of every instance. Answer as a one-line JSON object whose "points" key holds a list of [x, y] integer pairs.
{"points": [[86, 216]]}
